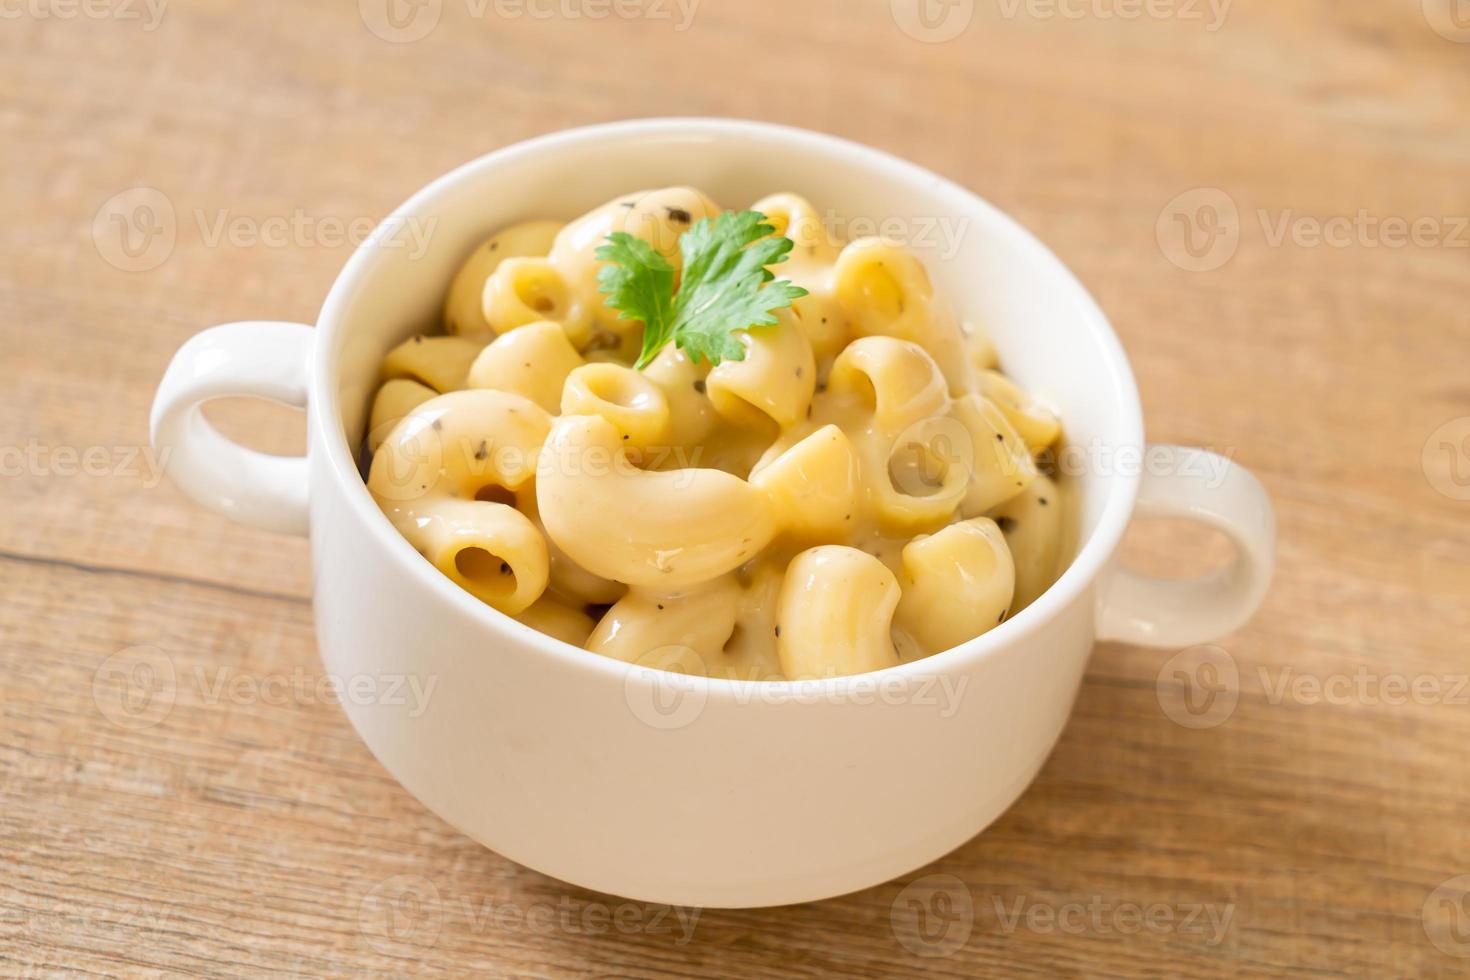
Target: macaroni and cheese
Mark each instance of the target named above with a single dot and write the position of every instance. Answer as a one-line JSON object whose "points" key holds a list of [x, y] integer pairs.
{"points": [[861, 489]]}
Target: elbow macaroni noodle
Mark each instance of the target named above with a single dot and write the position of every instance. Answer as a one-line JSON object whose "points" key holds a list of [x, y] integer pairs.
{"points": [[862, 490]]}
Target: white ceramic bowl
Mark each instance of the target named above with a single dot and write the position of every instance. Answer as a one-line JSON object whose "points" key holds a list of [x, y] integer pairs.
{"points": [[682, 790]]}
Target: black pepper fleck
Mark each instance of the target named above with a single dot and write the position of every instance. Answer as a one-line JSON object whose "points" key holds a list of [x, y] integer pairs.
{"points": [[504, 568], [679, 215], [1041, 501], [482, 450], [699, 387]]}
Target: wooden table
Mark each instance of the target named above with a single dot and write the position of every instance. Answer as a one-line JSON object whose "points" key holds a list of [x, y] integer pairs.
{"points": [[1317, 825]]}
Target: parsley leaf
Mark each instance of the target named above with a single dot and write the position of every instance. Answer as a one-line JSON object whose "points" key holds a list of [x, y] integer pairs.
{"points": [[726, 286], [640, 283]]}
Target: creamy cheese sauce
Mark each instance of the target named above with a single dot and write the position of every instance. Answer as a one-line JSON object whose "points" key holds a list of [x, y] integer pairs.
{"points": [[862, 489]]}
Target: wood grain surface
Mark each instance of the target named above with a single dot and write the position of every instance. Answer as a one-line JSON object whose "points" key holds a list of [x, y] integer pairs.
{"points": [[1312, 824]]}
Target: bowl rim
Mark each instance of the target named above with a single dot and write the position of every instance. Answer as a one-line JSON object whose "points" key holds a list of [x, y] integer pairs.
{"points": [[327, 426]]}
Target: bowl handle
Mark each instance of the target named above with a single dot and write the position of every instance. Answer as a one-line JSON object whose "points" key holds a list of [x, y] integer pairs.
{"points": [[265, 359], [1158, 612]]}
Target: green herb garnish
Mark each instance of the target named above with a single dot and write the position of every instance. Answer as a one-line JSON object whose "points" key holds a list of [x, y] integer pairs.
{"points": [[726, 286]]}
